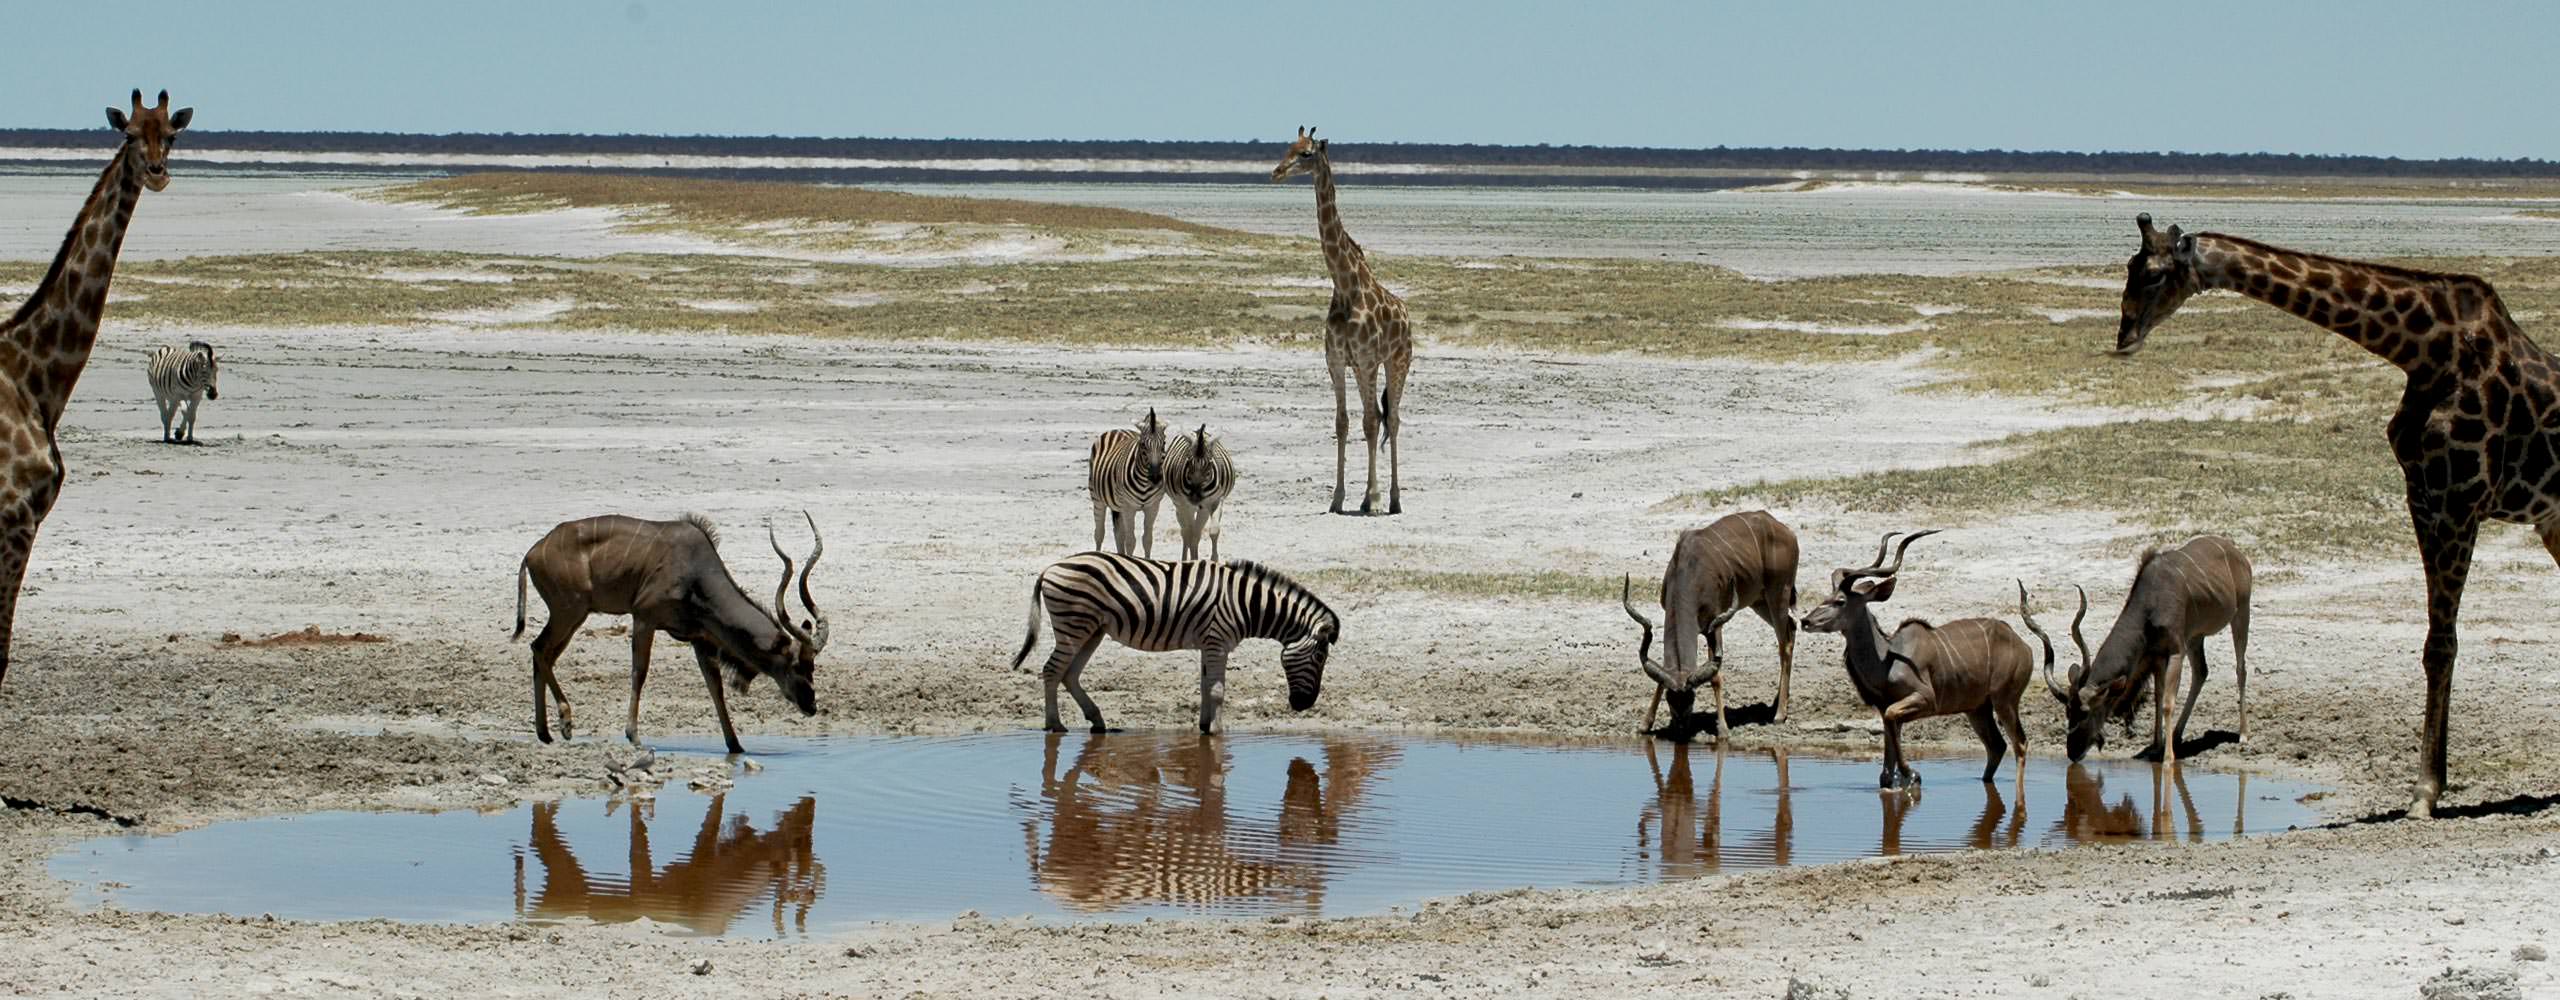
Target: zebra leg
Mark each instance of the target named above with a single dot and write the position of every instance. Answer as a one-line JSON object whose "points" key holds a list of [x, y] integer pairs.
{"points": [[1066, 666], [1074, 678], [168, 413], [1147, 537], [1121, 530], [1098, 514], [640, 636], [1213, 685], [1210, 514], [1187, 522], [191, 419], [702, 653]]}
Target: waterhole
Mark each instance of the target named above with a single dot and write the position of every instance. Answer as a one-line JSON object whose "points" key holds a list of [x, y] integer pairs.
{"points": [[1126, 825]]}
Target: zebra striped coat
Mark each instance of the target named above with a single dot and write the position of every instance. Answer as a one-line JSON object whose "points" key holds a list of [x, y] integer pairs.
{"points": [[1157, 607], [1200, 479], [178, 377], [1125, 475]]}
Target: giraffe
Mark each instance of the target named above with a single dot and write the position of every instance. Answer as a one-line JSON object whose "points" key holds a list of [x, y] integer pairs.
{"points": [[2477, 435], [1365, 329], [46, 343]]}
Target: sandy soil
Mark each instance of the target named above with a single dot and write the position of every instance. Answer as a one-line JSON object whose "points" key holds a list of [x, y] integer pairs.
{"points": [[386, 482]]}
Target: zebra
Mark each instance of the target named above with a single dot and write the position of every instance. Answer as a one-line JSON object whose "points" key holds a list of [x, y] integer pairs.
{"points": [[177, 376], [1156, 607], [1200, 477], [1125, 475]]}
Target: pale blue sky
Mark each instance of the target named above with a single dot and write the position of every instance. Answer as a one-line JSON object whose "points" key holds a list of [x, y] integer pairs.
{"points": [[2336, 76]]}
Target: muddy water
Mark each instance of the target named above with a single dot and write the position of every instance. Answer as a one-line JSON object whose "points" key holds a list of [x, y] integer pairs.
{"points": [[1146, 824]]}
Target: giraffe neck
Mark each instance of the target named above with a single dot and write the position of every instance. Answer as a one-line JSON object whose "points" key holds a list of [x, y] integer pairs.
{"points": [[1342, 257], [2405, 317], [46, 343]]}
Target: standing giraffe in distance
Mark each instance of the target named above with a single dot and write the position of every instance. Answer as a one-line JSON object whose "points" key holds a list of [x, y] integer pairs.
{"points": [[2478, 431], [46, 343], [1365, 329]]}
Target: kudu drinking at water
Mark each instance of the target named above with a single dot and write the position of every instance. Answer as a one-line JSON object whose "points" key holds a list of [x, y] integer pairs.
{"points": [[1745, 560], [1975, 667], [2180, 595], [667, 575]]}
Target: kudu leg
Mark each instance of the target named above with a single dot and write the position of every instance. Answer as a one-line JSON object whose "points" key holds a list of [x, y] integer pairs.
{"points": [[1898, 768], [1654, 710], [705, 655], [1994, 746], [640, 638], [2164, 693], [2008, 712], [2240, 663], [547, 647], [2195, 686]]}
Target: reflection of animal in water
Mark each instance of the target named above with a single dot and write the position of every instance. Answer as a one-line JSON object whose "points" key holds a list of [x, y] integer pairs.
{"points": [[728, 867], [1139, 820], [1690, 833], [1986, 832], [2087, 816]]}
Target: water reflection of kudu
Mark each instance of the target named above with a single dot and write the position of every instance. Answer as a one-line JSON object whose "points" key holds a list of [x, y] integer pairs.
{"points": [[1136, 819], [2087, 816], [1986, 833], [1689, 831], [729, 867]]}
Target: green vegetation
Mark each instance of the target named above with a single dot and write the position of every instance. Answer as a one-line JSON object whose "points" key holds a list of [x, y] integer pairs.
{"points": [[1538, 586], [743, 204], [2326, 487]]}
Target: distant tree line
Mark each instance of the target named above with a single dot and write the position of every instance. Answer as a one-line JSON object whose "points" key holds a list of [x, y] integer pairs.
{"points": [[1773, 160]]}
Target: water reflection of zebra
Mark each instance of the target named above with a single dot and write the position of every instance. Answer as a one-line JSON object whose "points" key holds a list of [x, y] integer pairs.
{"points": [[182, 377]]}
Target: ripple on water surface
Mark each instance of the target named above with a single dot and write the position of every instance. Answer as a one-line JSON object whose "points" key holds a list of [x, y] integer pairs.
{"points": [[1146, 824]]}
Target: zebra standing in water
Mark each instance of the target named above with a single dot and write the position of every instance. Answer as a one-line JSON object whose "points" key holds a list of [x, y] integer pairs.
{"points": [[1198, 471], [1125, 475], [177, 378], [1157, 607]]}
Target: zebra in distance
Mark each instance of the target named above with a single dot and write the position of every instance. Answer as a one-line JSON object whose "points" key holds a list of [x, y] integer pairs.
{"points": [[1200, 479], [178, 377], [1125, 475], [1157, 607]]}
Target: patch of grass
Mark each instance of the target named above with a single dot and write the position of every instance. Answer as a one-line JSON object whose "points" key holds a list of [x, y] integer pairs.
{"points": [[2310, 188], [752, 203], [1543, 585], [2275, 486]]}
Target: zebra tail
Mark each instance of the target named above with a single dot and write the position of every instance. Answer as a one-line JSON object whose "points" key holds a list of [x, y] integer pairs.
{"points": [[520, 571], [1031, 633]]}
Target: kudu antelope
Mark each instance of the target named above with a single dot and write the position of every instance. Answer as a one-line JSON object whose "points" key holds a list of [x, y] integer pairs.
{"points": [[667, 575], [1975, 667], [1745, 560], [2180, 595]]}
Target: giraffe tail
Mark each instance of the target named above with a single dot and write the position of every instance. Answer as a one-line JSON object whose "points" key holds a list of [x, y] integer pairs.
{"points": [[1031, 632]]}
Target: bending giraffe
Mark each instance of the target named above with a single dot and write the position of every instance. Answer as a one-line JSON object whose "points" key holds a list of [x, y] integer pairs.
{"points": [[1365, 330], [2478, 431], [46, 343]]}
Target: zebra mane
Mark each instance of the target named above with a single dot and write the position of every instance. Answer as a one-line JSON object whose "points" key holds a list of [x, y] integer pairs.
{"points": [[198, 345], [703, 521], [1281, 582]]}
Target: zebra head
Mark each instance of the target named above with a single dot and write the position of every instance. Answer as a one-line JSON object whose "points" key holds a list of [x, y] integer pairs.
{"points": [[1199, 473], [1151, 443], [212, 368], [1303, 661]]}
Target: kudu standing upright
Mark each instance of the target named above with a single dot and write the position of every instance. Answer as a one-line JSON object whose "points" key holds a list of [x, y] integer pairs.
{"points": [[1745, 560], [1976, 667], [2180, 595], [667, 575]]}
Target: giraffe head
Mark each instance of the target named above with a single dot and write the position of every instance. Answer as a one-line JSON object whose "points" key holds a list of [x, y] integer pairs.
{"points": [[148, 134], [2157, 281], [1302, 157]]}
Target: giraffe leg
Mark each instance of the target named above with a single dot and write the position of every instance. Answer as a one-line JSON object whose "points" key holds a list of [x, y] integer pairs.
{"points": [[13, 571], [704, 655], [1341, 422], [1369, 429], [640, 637], [1393, 404], [2446, 546]]}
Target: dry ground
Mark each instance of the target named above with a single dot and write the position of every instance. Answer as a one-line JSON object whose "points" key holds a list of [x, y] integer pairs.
{"points": [[384, 479]]}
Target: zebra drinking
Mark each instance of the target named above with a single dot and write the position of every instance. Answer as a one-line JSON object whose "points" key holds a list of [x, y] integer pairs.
{"points": [[1200, 475], [1125, 475], [178, 377], [1158, 607]]}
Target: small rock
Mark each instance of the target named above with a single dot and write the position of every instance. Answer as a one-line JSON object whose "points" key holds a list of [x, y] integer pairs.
{"points": [[702, 967], [1799, 989], [750, 764], [2472, 984], [2530, 953], [860, 951], [647, 759], [494, 779]]}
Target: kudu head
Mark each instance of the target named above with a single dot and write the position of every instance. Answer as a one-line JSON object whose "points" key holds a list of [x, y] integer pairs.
{"points": [[1679, 680], [798, 666], [1853, 588], [2084, 703], [1302, 157], [2159, 278]]}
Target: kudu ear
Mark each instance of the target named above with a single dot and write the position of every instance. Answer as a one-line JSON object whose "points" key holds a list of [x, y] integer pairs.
{"points": [[1878, 589]]}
